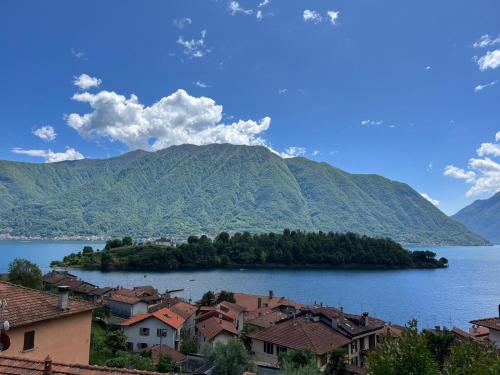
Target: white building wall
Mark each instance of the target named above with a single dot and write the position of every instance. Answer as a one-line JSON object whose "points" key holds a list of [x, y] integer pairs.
{"points": [[134, 336], [495, 337]]}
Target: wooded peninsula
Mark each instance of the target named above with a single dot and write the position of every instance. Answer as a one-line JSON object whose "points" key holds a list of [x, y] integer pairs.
{"points": [[288, 249]]}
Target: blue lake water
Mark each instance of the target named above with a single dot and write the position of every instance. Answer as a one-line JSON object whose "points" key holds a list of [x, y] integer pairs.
{"points": [[468, 289]]}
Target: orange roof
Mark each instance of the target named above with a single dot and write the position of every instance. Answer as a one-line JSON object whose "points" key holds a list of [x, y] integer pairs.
{"points": [[184, 309], [19, 366], [250, 302], [174, 355], [490, 323], [212, 327], [166, 315], [27, 306]]}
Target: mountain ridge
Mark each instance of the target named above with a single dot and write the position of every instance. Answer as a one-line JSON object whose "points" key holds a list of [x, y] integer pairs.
{"points": [[483, 217], [187, 189]]}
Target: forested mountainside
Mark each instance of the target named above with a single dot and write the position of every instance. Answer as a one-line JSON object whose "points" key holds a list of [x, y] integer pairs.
{"points": [[184, 190]]}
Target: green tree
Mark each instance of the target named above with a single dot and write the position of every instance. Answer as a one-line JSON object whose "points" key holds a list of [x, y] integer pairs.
{"points": [[439, 344], [470, 358], [106, 260], [208, 299], [336, 363], [127, 241], [165, 364], [87, 250], [188, 347], [25, 273], [224, 295], [230, 359], [406, 355], [245, 331], [131, 361], [298, 362], [116, 341]]}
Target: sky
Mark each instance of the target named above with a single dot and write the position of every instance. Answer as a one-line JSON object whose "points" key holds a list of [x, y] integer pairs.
{"points": [[405, 89]]}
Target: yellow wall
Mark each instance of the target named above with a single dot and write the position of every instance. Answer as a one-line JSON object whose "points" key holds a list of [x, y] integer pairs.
{"points": [[66, 340]]}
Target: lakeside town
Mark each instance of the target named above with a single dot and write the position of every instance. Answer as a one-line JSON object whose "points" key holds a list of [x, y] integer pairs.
{"points": [[72, 324]]}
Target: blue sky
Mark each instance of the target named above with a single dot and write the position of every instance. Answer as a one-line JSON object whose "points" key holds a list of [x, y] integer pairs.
{"points": [[407, 90]]}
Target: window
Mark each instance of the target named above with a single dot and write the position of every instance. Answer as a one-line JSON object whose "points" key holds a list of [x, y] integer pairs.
{"points": [[354, 346], [143, 331], [29, 341], [371, 341], [160, 332], [142, 345], [268, 348]]}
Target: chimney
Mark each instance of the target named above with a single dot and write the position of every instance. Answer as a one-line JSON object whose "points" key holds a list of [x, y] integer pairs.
{"points": [[271, 294], [364, 319], [47, 366], [62, 297], [259, 303]]}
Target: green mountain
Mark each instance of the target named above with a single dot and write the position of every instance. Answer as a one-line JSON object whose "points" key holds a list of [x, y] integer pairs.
{"points": [[483, 217], [188, 189]]}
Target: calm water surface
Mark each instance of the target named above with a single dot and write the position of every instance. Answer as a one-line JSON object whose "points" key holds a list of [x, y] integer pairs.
{"points": [[468, 289]]}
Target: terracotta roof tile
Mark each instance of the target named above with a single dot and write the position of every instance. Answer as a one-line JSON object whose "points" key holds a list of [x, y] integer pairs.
{"points": [[174, 355], [490, 323], [250, 302], [27, 306], [184, 309], [166, 315], [212, 327], [267, 319], [302, 333], [23, 366]]}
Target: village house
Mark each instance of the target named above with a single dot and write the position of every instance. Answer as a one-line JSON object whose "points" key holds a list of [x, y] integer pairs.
{"points": [[319, 329], [252, 302], [43, 324], [296, 333], [183, 309], [18, 366], [149, 329], [493, 326], [177, 357], [126, 303], [53, 279], [212, 330]]}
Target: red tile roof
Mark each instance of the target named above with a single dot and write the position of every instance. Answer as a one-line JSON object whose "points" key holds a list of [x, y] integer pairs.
{"points": [[174, 355], [302, 333], [250, 302], [165, 315], [23, 366], [136, 295], [490, 323], [184, 309], [27, 306], [266, 318], [212, 327]]}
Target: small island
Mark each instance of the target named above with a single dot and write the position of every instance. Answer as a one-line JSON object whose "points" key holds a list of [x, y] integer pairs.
{"points": [[288, 249]]}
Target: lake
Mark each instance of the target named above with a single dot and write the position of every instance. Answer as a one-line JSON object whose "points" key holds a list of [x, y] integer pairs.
{"points": [[468, 289]]}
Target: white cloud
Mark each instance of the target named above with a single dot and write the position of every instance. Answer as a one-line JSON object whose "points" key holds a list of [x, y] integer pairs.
{"points": [[175, 119], [263, 3], [428, 67], [489, 149], [312, 16], [78, 54], [282, 91], [435, 202], [292, 152], [482, 87], [234, 8], [47, 133], [203, 85], [459, 173], [85, 82], [333, 15], [483, 173], [316, 153], [259, 15], [194, 47], [372, 122], [486, 41], [180, 23], [49, 155], [490, 61]]}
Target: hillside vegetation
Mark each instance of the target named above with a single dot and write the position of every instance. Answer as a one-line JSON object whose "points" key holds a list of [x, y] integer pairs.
{"points": [[483, 217], [189, 189], [287, 249]]}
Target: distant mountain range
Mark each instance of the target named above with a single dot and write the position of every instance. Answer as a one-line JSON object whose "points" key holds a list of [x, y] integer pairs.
{"points": [[483, 217], [184, 190]]}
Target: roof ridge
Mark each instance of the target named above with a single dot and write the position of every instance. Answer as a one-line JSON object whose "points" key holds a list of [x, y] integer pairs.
{"points": [[38, 290]]}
